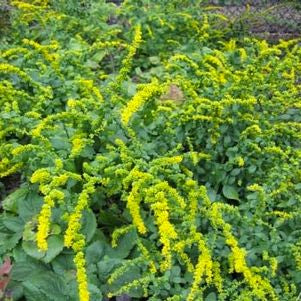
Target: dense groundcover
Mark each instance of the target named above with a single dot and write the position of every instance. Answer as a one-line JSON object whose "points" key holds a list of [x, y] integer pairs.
{"points": [[159, 158]]}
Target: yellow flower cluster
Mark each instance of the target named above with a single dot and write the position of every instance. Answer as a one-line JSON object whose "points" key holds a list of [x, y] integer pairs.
{"points": [[252, 130], [7, 68], [87, 86], [203, 267], [6, 169], [272, 260], [121, 270], [41, 175], [81, 275], [45, 216], [183, 58], [168, 160], [29, 10], [127, 61], [23, 148], [138, 100], [78, 144], [119, 232], [52, 58], [215, 61], [76, 240], [259, 285], [133, 202], [240, 161], [179, 248], [217, 277], [44, 223], [296, 249], [13, 51], [166, 229], [74, 224]]}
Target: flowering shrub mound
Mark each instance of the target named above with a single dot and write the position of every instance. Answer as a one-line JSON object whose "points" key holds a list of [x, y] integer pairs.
{"points": [[158, 159]]}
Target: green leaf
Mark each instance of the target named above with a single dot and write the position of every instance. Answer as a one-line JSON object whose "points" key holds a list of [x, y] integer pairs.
{"points": [[106, 265], [96, 294], [230, 192], [60, 143], [55, 247], [13, 223], [9, 242], [211, 297], [30, 206], [125, 245], [10, 203], [50, 284], [32, 292], [95, 251], [89, 224], [31, 249], [63, 265], [23, 270]]}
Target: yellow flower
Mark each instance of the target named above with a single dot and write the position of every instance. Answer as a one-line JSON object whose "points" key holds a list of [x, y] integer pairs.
{"points": [[44, 218], [41, 175], [240, 161], [133, 202], [166, 229], [138, 100], [127, 62], [81, 275], [74, 223], [78, 144], [203, 266], [44, 223]]}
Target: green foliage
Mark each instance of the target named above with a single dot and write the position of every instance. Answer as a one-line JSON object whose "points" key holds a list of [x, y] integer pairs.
{"points": [[158, 158]]}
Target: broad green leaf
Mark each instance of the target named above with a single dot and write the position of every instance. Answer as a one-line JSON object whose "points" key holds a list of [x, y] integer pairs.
{"points": [[55, 247], [23, 270], [95, 251], [31, 249], [32, 292], [13, 223], [211, 297], [89, 224], [124, 246], [230, 192], [10, 203], [30, 206]]}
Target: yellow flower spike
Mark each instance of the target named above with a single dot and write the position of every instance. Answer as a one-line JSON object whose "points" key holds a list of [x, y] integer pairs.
{"points": [[41, 175], [44, 217], [74, 223], [168, 160], [7, 68], [127, 61], [81, 275], [148, 91], [260, 286], [78, 144], [119, 232], [217, 278], [166, 229], [6, 169], [203, 267], [133, 202], [240, 161], [44, 223], [179, 248]]}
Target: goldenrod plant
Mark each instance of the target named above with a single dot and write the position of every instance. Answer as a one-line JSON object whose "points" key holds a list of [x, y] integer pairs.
{"points": [[158, 158]]}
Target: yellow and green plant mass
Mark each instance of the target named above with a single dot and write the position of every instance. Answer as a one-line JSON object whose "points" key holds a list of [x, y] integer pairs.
{"points": [[158, 156]]}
